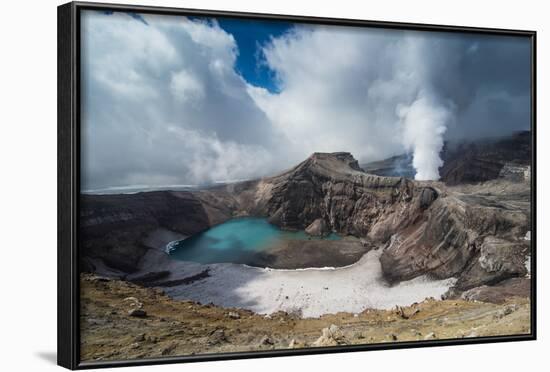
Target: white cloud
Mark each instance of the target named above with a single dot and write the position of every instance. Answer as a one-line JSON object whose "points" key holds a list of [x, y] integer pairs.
{"points": [[341, 88], [214, 41], [215, 160], [163, 103], [186, 87]]}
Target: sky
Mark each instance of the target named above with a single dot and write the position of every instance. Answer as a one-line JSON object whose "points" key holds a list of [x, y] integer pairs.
{"points": [[170, 100]]}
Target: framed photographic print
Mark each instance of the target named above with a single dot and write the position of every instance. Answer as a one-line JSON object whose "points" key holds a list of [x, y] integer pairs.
{"points": [[236, 185]]}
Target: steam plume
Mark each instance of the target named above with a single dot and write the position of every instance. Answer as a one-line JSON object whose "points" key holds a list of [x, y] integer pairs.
{"points": [[424, 123]]}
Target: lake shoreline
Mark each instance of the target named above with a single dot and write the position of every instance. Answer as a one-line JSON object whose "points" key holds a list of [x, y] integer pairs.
{"points": [[254, 241]]}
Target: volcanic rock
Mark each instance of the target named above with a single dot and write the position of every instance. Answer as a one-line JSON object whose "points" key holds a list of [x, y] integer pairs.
{"points": [[114, 227], [330, 336], [496, 260], [317, 228], [484, 160], [499, 293], [138, 313]]}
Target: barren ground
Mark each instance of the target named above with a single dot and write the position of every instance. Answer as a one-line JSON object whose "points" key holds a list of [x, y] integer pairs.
{"points": [[173, 327]]}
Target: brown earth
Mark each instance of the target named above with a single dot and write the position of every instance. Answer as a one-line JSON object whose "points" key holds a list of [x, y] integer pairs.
{"points": [[300, 254], [165, 327]]}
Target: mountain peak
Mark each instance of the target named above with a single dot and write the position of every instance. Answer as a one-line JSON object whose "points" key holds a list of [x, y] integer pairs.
{"points": [[343, 157]]}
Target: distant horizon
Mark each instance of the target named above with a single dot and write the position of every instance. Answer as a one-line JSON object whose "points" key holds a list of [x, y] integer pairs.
{"points": [[136, 188]]}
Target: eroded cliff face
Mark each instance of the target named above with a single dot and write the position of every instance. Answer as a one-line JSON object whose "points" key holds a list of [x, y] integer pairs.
{"points": [[117, 230], [484, 160], [452, 239], [332, 188]]}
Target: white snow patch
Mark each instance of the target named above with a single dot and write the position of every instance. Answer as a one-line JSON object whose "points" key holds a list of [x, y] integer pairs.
{"points": [[312, 292]]}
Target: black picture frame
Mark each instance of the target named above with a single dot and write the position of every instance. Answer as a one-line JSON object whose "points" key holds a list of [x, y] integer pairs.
{"points": [[68, 93]]}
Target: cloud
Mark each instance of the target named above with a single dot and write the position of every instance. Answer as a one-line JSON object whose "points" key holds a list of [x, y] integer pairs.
{"points": [[216, 160], [342, 90], [162, 102], [341, 87], [186, 87]]}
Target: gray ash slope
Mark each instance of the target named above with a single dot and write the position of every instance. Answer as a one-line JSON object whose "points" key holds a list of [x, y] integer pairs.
{"points": [[471, 232]]}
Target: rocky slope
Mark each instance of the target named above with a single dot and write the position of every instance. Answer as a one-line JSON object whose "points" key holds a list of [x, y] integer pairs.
{"points": [[480, 161], [395, 166], [117, 230], [331, 189], [477, 237], [121, 321]]}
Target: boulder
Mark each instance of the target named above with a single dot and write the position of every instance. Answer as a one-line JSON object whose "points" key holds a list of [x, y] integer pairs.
{"points": [[330, 336], [169, 349], [430, 336], [427, 197], [266, 341], [140, 337], [138, 313], [233, 315], [317, 228], [217, 337]]}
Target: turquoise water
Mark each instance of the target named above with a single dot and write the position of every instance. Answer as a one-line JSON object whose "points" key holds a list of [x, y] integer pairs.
{"points": [[234, 241]]}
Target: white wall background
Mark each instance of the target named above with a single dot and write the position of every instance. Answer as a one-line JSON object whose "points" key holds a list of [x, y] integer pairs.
{"points": [[28, 184]]}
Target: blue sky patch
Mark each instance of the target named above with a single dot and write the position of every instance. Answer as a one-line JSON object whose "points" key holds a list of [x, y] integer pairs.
{"points": [[250, 36]]}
